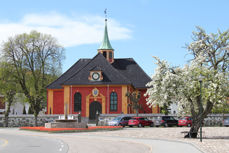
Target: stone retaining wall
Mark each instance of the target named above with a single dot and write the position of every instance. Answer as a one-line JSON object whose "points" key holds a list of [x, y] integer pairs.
{"points": [[28, 120]]}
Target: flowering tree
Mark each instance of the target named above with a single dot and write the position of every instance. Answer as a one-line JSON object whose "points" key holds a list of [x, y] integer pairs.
{"points": [[182, 85], [214, 47]]}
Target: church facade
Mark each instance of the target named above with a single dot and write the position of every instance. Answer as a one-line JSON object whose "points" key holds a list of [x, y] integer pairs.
{"points": [[99, 85]]}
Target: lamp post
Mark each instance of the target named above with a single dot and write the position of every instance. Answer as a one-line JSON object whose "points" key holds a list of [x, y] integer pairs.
{"points": [[200, 80]]}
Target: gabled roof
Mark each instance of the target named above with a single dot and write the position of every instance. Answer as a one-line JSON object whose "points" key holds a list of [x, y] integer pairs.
{"points": [[110, 74], [121, 72]]}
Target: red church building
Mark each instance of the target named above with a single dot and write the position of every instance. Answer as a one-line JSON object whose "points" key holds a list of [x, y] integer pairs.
{"points": [[99, 84]]}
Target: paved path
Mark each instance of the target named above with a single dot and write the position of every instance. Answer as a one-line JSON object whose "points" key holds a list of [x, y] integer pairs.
{"points": [[215, 139], [11, 143], [153, 145], [95, 142]]}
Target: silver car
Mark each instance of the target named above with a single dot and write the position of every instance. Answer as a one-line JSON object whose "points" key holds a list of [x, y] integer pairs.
{"points": [[119, 121], [226, 122]]}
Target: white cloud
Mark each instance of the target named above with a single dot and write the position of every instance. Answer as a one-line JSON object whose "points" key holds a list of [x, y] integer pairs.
{"points": [[69, 31]]}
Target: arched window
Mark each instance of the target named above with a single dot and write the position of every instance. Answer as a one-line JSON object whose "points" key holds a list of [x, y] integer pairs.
{"points": [[113, 101], [105, 54], [77, 102], [110, 55]]}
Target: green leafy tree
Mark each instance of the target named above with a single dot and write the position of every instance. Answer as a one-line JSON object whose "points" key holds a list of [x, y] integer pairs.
{"points": [[36, 58], [8, 87]]}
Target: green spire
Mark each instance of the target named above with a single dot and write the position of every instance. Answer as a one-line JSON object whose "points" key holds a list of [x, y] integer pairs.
{"points": [[106, 43]]}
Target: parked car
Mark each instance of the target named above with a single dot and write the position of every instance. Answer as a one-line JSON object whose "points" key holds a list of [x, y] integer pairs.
{"points": [[226, 122], [166, 121], [140, 122], [185, 121], [119, 121]]}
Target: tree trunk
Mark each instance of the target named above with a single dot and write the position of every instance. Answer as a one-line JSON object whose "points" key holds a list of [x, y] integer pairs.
{"points": [[193, 131], [35, 119], [7, 113], [36, 110], [196, 124], [6, 120]]}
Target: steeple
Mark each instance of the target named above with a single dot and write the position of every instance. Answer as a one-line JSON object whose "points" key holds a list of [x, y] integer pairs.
{"points": [[106, 43], [105, 48]]}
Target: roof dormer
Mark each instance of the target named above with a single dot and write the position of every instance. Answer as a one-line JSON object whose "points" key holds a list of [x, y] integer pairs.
{"points": [[95, 74]]}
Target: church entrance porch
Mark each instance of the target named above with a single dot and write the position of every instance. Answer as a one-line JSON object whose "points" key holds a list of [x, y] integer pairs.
{"points": [[94, 107]]}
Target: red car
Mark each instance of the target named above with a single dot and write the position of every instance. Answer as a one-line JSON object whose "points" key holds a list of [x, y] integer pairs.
{"points": [[140, 122], [185, 121]]}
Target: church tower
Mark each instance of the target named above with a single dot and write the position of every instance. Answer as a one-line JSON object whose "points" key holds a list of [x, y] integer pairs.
{"points": [[105, 48]]}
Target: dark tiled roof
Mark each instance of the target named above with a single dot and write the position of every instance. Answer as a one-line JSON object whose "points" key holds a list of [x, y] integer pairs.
{"points": [[131, 70], [73, 69], [96, 68], [110, 74], [122, 71]]}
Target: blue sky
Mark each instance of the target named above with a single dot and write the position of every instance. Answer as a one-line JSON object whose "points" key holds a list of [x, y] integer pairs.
{"points": [[137, 28]]}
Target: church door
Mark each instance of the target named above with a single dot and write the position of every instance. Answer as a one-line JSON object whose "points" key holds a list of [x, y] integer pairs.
{"points": [[94, 107]]}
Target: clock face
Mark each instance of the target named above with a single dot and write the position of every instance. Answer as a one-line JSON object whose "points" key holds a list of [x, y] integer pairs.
{"points": [[95, 76]]}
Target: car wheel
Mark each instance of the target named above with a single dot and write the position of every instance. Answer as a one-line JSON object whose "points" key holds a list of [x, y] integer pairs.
{"points": [[121, 125], [140, 125], [151, 125], [188, 125], [130, 126]]}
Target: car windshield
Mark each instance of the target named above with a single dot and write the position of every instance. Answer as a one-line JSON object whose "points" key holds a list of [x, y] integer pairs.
{"points": [[116, 118], [167, 118], [184, 118]]}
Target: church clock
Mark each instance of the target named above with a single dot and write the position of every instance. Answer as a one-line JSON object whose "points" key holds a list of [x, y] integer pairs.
{"points": [[95, 76]]}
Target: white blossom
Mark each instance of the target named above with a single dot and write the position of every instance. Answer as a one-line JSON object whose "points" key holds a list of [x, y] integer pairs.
{"points": [[184, 85]]}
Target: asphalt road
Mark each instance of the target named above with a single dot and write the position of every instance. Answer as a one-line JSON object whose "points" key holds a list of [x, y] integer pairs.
{"points": [[18, 141], [10, 143]]}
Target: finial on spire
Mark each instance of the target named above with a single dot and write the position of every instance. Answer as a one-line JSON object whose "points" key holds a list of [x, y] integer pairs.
{"points": [[106, 43], [105, 12]]}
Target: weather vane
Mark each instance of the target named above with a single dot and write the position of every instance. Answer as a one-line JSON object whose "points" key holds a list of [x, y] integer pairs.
{"points": [[105, 12]]}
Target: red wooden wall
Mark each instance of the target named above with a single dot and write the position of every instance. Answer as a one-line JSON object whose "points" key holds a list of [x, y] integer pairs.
{"points": [[58, 102]]}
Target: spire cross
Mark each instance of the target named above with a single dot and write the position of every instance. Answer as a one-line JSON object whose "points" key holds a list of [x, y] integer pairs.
{"points": [[105, 12]]}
